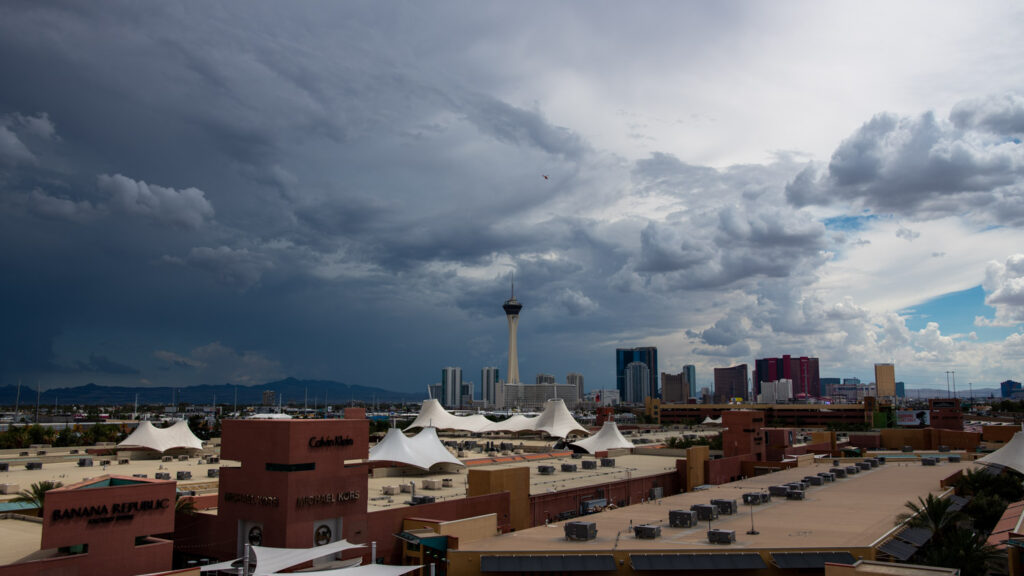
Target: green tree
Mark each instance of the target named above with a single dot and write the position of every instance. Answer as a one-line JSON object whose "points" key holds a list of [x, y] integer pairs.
{"points": [[185, 506], [985, 510], [961, 548], [36, 495], [931, 513]]}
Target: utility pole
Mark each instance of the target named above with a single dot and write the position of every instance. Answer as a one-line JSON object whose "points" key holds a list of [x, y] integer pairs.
{"points": [[954, 382], [947, 384]]}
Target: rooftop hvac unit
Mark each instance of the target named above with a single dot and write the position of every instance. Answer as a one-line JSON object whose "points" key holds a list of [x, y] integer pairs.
{"points": [[647, 531], [954, 457], [864, 465], [104, 462], [577, 455], [166, 459], [182, 458], [184, 475], [929, 461], [33, 466], [590, 464], [873, 462], [122, 461], [839, 472], [908, 448], [795, 495], [757, 498], [657, 492], [778, 490], [546, 470], [163, 475], [593, 505], [852, 470], [880, 459], [83, 462], [431, 484], [213, 473], [422, 500], [4, 466], [705, 512], [140, 475], [74, 451], [447, 482], [568, 467], [726, 507], [827, 476], [797, 485], [213, 460], [607, 462], [682, 518], [580, 530], [716, 536], [815, 480], [943, 448]]}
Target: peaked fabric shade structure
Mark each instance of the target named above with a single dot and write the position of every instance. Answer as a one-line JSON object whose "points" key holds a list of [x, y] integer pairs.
{"points": [[272, 560], [607, 438], [423, 450], [555, 420], [368, 570], [149, 437], [1010, 456]]}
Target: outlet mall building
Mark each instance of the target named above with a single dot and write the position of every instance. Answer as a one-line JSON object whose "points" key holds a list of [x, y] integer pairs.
{"points": [[304, 483]]}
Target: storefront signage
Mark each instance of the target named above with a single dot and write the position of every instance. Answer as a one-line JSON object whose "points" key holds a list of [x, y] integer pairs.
{"points": [[251, 499], [101, 514], [329, 441], [329, 498]]}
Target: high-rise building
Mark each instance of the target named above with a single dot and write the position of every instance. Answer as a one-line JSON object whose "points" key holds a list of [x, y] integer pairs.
{"points": [[269, 398], [638, 381], [674, 387], [828, 385], [512, 308], [1008, 387], [731, 383], [575, 379], [646, 355], [545, 379], [451, 386], [691, 376], [466, 394], [488, 382], [803, 371], [885, 380], [901, 390]]}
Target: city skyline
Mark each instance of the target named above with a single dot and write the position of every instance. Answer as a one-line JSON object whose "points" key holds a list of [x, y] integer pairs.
{"points": [[252, 191]]}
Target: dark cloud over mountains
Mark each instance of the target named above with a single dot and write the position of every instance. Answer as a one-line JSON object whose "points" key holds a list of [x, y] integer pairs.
{"points": [[247, 191]]}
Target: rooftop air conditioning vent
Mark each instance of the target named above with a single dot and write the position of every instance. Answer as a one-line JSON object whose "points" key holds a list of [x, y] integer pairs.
{"points": [[839, 472], [568, 467], [682, 518], [795, 495], [726, 507], [705, 512], [546, 470], [590, 464], [647, 531], [580, 530], [716, 536], [778, 490], [607, 462]]}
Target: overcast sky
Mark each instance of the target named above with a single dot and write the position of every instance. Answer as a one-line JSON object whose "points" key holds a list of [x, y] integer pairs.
{"points": [[241, 191]]}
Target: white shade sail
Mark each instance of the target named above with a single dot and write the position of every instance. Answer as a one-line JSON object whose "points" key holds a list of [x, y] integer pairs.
{"points": [[149, 437], [271, 560], [555, 420], [607, 438], [423, 450], [368, 570], [1010, 456]]}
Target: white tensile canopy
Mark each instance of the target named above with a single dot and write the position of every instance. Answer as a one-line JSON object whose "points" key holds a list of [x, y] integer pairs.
{"points": [[557, 421], [1010, 456], [272, 560], [710, 420], [149, 437], [368, 570], [423, 450], [607, 438], [514, 423], [432, 414]]}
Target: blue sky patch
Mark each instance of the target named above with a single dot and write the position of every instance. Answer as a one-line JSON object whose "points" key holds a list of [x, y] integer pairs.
{"points": [[955, 313]]}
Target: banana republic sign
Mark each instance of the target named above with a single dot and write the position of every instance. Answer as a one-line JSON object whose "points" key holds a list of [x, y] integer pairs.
{"points": [[330, 441], [103, 514]]}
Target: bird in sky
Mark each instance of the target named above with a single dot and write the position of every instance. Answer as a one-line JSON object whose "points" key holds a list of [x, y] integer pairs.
{"points": [[545, 176]]}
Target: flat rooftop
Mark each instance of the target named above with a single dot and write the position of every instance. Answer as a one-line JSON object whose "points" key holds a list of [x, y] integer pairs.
{"points": [[854, 512], [21, 540]]}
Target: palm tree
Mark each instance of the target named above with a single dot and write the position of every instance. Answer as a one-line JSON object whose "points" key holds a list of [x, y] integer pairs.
{"points": [[36, 495], [963, 549], [185, 506], [931, 513]]}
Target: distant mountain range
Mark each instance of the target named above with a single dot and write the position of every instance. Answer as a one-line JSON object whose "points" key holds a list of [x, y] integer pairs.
{"points": [[962, 392], [288, 390]]}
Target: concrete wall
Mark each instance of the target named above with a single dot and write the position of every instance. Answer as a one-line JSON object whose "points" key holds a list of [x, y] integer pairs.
{"points": [[628, 491], [514, 481], [998, 433], [725, 470]]}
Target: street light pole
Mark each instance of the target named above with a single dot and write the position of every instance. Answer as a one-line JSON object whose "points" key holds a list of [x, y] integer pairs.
{"points": [[752, 532], [954, 382], [947, 383]]}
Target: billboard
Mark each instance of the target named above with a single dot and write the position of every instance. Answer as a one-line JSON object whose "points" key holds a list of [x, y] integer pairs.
{"points": [[913, 418]]}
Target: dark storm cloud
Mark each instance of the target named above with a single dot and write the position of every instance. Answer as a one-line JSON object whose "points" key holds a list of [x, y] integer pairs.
{"points": [[925, 167], [104, 365]]}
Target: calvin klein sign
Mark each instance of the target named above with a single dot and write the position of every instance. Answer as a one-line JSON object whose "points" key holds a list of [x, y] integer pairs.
{"points": [[329, 441]]}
